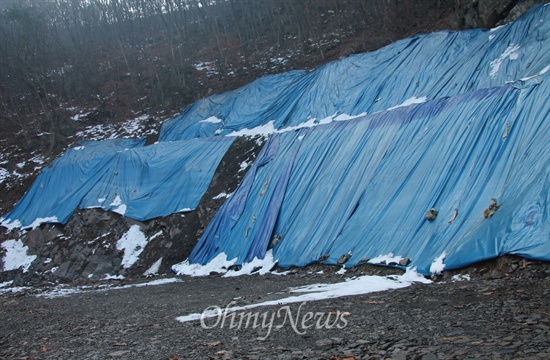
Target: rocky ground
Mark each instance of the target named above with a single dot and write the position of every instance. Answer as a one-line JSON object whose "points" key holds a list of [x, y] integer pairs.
{"points": [[503, 311]]}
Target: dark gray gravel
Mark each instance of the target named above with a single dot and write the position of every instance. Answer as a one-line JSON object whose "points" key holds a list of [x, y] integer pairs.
{"points": [[503, 312]]}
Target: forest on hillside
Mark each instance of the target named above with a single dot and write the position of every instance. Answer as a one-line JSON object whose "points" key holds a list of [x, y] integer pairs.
{"points": [[102, 61]]}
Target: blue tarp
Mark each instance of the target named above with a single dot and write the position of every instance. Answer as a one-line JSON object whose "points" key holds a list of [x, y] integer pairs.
{"points": [[58, 189], [123, 176], [427, 66], [160, 179], [363, 186]]}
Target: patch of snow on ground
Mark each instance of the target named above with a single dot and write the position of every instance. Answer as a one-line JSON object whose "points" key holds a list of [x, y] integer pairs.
{"points": [[256, 266], [10, 224], [16, 256], [156, 235], [38, 159], [205, 65], [132, 243], [221, 196], [219, 264], [244, 165], [342, 271], [62, 291], [209, 66], [356, 286], [128, 128], [5, 284], [154, 269], [4, 174], [121, 210], [133, 126], [39, 221], [112, 277], [459, 277], [438, 265], [510, 52], [15, 289], [77, 117]]}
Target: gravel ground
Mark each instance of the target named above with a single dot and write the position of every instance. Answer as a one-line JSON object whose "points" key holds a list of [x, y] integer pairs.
{"points": [[502, 312]]}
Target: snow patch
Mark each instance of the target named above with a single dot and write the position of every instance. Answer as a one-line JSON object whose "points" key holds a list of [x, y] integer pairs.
{"points": [[218, 264], [39, 221], [120, 210], [16, 256], [256, 266], [496, 28], [132, 243], [343, 117], [15, 289], [459, 277], [438, 265], [212, 120], [119, 207], [113, 277], [510, 52], [244, 165], [62, 291], [221, 196], [355, 286], [154, 269], [156, 235], [6, 284], [128, 128], [265, 129], [342, 271], [205, 65], [4, 174], [116, 201], [269, 128], [386, 259], [77, 117], [411, 101]]}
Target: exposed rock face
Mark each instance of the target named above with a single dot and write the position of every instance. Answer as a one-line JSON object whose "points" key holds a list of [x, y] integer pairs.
{"points": [[491, 13]]}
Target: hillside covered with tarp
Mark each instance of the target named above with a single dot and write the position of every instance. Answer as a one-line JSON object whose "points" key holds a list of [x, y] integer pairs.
{"points": [[362, 187], [472, 145], [358, 151], [122, 175], [416, 69]]}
